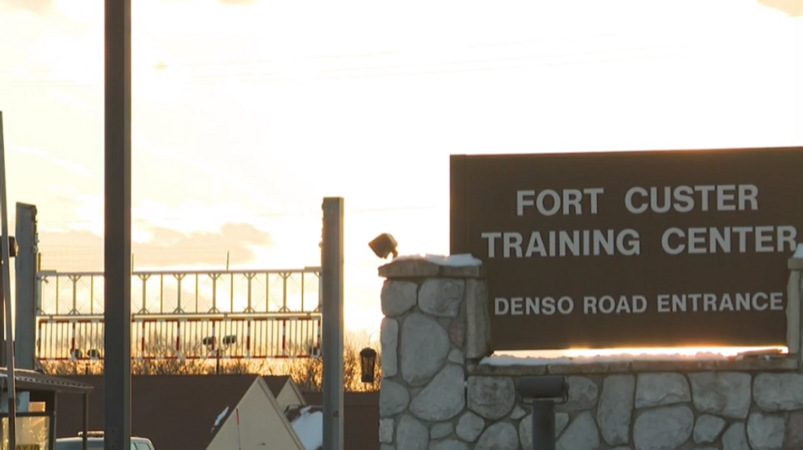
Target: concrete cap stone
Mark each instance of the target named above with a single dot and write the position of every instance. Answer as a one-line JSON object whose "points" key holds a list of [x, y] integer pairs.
{"points": [[418, 266]]}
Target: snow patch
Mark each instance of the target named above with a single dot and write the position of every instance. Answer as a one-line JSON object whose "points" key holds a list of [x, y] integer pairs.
{"points": [[309, 428], [220, 417], [459, 260], [587, 356], [505, 360]]}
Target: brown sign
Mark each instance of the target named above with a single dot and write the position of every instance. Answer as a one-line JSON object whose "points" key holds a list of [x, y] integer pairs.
{"points": [[632, 249]]}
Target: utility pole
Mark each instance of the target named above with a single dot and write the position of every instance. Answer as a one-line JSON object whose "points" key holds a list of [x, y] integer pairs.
{"points": [[11, 386], [117, 220], [332, 273]]}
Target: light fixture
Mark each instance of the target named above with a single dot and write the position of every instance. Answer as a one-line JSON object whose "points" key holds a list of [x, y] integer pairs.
{"points": [[93, 354], [229, 340], [367, 363], [209, 342], [76, 354], [13, 247], [383, 245]]}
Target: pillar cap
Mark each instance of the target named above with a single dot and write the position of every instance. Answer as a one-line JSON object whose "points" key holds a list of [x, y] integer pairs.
{"points": [[423, 266]]}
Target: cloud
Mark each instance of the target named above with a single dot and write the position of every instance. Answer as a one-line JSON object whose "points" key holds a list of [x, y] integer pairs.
{"points": [[36, 6], [170, 248], [83, 250], [50, 157], [791, 7]]}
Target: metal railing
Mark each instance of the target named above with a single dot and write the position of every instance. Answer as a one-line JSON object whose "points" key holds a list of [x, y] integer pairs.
{"points": [[185, 314]]}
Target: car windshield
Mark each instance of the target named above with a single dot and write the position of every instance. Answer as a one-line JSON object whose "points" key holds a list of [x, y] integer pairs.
{"points": [[96, 444], [77, 445]]}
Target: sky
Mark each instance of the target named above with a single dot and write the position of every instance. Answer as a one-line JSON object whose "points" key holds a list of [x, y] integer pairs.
{"points": [[247, 113]]}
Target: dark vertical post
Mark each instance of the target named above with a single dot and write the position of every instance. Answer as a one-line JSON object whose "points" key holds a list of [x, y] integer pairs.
{"points": [[543, 391], [332, 273], [5, 288], [2, 306], [51, 404], [117, 239], [86, 422], [543, 425], [2, 326], [25, 277]]}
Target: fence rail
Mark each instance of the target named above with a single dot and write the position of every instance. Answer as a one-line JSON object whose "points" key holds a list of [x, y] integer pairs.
{"points": [[185, 314]]}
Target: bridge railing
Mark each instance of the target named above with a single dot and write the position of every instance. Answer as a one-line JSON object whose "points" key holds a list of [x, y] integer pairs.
{"points": [[185, 314]]}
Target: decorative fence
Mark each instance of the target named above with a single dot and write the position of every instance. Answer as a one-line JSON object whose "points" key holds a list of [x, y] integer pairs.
{"points": [[185, 314]]}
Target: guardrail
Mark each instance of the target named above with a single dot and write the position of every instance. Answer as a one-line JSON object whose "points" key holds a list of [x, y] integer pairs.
{"points": [[185, 314]]}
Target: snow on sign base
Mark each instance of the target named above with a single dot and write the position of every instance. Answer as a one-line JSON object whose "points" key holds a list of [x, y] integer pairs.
{"points": [[632, 249], [461, 260]]}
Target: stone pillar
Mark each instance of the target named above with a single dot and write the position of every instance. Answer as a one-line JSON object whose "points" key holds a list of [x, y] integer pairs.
{"points": [[435, 325]]}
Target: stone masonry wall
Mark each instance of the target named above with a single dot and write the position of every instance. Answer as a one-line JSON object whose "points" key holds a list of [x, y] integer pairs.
{"points": [[434, 396]]}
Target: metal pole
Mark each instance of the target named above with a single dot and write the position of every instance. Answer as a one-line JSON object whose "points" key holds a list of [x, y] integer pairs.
{"points": [[332, 273], [25, 277], [6, 292], [2, 323], [117, 212], [86, 423], [543, 425]]}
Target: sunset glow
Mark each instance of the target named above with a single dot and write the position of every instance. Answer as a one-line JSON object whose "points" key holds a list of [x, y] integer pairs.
{"points": [[247, 113]]}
